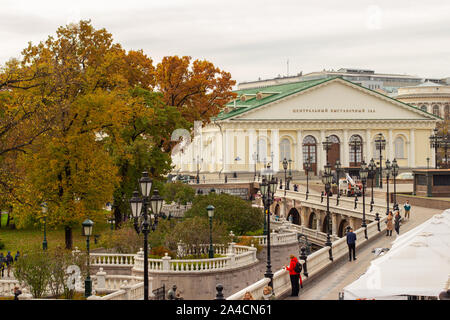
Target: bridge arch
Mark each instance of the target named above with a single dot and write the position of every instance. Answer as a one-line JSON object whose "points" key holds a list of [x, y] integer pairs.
{"points": [[313, 221], [295, 216], [342, 226]]}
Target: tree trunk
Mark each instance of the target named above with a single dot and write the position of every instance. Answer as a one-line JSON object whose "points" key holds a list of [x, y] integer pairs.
{"points": [[68, 234], [117, 217], [9, 216]]}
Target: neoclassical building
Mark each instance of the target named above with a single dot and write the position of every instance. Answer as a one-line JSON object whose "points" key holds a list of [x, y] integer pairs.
{"points": [[291, 121], [428, 96]]}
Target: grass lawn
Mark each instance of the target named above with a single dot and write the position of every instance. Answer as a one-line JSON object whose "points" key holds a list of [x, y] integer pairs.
{"points": [[3, 219], [28, 239]]}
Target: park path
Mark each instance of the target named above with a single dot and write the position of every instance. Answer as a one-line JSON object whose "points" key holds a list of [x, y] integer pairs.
{"points": [[342, 273]]}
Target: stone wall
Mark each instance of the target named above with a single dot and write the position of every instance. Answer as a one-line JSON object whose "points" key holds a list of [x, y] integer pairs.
{"points": [[423, 202], [202, 285]]}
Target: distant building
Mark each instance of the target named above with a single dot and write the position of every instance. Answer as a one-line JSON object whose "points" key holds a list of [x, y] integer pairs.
{"points": [[428, 96], [389, 83]]}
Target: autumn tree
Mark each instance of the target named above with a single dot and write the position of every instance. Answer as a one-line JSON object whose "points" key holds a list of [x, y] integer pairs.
{"points": [[87, 90], [199, 90]]}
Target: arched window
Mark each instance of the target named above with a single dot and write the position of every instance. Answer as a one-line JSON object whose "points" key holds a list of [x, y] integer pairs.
{"points": [[262, 149], [376, 146], [436, 111], [285, 149], [399, 148], [356, 148], [423, 107], [310, 152], [447, 111]]}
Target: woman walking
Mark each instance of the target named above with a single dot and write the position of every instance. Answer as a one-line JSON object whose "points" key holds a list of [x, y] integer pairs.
{"points": [[389, 224], [295, 276]]}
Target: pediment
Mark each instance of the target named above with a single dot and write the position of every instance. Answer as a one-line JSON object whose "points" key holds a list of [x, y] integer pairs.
{"points": [[336, 99]]}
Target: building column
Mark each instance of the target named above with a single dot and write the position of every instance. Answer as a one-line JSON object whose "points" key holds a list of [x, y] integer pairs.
{"points": [[412, 151], [368, 146], [275, 135], [299, 151], [391, 145], [251, 149], [321, 153], [334, 224], [433, 153], [344, 160]]}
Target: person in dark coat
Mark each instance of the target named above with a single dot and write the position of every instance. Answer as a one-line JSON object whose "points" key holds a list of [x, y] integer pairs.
{"points": [[17, 293], [351, 243], [397, 220], [9, 261], [2, 263], [16, 257], [295, 277]]}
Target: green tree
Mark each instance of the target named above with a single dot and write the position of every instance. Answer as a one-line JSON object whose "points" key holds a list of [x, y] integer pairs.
{"points": [[237, 214], [178, 192]]}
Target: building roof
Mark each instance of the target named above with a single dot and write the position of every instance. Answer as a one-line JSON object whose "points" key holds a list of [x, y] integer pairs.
{"points": [[429, 84], [273, 93]]}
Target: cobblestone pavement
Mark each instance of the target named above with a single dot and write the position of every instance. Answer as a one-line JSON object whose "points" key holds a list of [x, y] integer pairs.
{"points": [[342, 273]]}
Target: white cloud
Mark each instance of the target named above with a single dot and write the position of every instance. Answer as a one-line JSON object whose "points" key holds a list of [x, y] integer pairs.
{"points": [[254, 38]]}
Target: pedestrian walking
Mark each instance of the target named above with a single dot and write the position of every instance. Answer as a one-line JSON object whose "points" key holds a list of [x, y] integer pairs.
{"points": [[9, 261], [248, 296], [17, 292], [389, 224], [268, 293], [294, 274], [397, 220], [351, 243], [407, 208], [16, 257], [2, 264]]}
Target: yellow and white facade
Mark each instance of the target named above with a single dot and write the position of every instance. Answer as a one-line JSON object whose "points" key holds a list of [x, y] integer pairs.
{"points": [[292, 120]]}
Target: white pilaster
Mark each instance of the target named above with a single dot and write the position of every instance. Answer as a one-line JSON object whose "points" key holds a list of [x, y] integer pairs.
{"points": [[391, 145], [368, 147], [275, 138], [345, 155], [251, 149], [433, 153], [320, 152], [299, 151], [412, 151]]}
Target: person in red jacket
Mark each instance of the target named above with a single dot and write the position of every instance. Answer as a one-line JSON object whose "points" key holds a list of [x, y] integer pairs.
{"points": [[295, 277]]}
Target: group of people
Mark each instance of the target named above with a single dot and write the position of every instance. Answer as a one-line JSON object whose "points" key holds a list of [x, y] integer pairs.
{"points": [[394, 218], [267, 294], [6, 262]]}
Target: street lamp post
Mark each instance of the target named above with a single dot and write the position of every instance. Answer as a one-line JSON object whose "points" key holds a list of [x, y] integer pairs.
{"points": [[268, 189], [363, 173], [356, 145], [338, 167], [44, 211], [307, 169], [372, 170], [394, 169], [87, 227], [210, 210], [327, 145], [380, 144], [139, 208], [388, 172], [285, 166], [327, 178], [255, 158], [434, 143]]}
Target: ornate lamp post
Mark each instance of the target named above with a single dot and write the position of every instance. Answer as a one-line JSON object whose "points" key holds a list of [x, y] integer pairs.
{"points": [[44, 211], [327, 145], [363, 173], [434, 143], [372, 170], [327, 178], [445, 144], [285, 166], [268, 189], [139, 208], [87, 227], [307, 169], [290, 174], [356, 145], [394, 169], [380, 144], [338, 167], [198, 168], [387, 172], [210, 210]]}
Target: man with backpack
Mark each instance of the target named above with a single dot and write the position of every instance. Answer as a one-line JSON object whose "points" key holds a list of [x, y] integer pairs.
{"points": [[294, 269], [351, 242], [9, 261]]}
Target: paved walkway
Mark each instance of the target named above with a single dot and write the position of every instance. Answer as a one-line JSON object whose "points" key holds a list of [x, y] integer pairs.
{"points": [[342, 273]]}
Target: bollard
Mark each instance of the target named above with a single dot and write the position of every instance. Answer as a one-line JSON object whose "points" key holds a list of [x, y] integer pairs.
{"points": [[219, 294], [356, 201]]}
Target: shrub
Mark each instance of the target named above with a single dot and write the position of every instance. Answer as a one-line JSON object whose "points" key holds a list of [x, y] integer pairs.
{"points": [[33, 269], [248, 241], [123, 240]]}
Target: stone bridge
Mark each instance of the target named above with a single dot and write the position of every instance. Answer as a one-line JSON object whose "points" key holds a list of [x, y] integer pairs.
{"points": [[311, 213]]}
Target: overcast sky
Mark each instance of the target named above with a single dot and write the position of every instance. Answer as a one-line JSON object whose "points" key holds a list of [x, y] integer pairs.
{"points": [[254, 38]]}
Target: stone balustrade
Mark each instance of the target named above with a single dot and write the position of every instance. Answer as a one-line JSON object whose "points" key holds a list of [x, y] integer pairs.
{"points": [[278, 238], [316, 263], [111, 259]]}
